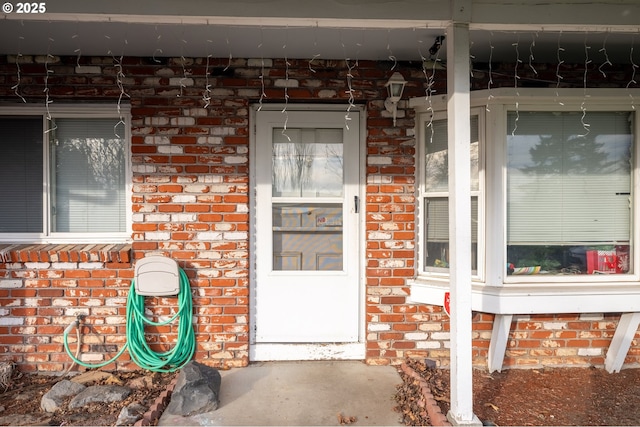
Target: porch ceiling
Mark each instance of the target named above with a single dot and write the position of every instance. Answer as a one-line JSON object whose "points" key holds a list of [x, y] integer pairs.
{"points": [[402, 40]]}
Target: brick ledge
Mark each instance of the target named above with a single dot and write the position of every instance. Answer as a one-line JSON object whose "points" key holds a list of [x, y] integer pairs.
{"points": [[153, 414], [87, 252], [436, 417]]}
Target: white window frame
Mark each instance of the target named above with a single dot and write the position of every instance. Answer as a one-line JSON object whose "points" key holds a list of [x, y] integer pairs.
{"points": [[573, 106], [423, 136], [494, 291], [75, 111]]}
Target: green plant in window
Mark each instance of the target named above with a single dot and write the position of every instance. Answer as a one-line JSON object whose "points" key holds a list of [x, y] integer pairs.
{"points": [[544, 256]]}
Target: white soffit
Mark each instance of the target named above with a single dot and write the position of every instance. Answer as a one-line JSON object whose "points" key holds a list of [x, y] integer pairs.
{"points": [[327, 29]]}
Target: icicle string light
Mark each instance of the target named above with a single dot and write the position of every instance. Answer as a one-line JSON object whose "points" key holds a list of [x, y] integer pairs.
{"points": [[606, 56], [392, 57], [349, 91], [48, 100], [286, 87], [17, 85], [78, 50], [583, 107], [183, 77], [516, 77], [157, 51], [531, 57], [230, 55], [315, 48], [490, 83], [634, 67], [559, 50], [316, 56], [206, 94], [428, 90], [434, 66], [120, 82], [18, 71], [263, 94]]}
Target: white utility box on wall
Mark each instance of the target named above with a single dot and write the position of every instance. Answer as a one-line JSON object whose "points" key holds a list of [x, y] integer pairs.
{"points": [[157, 276]]}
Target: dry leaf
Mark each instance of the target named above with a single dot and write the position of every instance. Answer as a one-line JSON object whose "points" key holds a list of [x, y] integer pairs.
{"points": [[494, 407], [112, 380], [342, 420]]}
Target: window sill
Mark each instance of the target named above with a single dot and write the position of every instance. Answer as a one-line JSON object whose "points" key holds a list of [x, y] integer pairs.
{"points": [[50, 253], [538, 298]]}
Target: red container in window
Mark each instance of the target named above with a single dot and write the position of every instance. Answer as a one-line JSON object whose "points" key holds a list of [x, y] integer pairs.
{"points": [[602, 262]]}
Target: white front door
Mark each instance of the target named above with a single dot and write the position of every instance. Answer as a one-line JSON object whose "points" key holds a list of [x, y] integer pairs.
{"points": [[307, 290]]}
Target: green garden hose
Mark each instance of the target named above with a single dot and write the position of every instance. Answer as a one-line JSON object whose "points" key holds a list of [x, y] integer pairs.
{"points": [[139, 349]]}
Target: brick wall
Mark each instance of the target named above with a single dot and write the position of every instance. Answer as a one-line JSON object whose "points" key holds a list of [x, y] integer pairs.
{"points": [[190, 202], [190, 198]]}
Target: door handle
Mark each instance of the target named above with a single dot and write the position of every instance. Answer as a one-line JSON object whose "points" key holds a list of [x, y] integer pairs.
{"points": [[356, 200]]}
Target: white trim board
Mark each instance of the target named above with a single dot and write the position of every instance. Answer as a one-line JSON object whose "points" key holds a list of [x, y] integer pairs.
{"points": [[280, 352], [537, 299]]}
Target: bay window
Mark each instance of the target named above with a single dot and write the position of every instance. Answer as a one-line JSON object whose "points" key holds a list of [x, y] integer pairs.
{"points": [[64, 174], [553, 210], [556, 211]]}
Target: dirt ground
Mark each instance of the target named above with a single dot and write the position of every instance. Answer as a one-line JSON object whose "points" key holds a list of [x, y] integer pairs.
{"points": [[535, 397], [532, 397], [20, 402]]}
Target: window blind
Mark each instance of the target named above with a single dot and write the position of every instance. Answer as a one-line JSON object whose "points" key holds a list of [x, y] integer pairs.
{"points": [[21, 173], [568, 177], [88, 176], [437, 179], [438, 219]]}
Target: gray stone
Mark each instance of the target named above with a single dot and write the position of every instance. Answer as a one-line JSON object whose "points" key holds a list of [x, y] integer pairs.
{"points": [[431, 364], [52, 399], [99, 393], [130, 414], [197, 390]]}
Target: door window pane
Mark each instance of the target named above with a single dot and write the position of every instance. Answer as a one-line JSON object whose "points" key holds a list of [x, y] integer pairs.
{"points": [[307, 236], [569, 192], [307, 163]]}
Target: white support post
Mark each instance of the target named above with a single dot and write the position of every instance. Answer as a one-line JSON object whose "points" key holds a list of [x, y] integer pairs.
{"points": [[499, 338], [619, 347], [458, 112]]}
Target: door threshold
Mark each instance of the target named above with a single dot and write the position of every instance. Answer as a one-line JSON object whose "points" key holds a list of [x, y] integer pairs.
{"points": [[264, 352]]}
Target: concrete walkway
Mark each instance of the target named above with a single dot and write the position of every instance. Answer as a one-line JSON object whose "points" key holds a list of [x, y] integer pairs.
{"points": [[302, 393]]}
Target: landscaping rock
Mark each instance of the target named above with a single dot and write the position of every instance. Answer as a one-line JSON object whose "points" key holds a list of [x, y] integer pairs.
{"points": [[99, 393], [96, 377], [141, 383], [52, 399], [197, 390], [130, 414]]}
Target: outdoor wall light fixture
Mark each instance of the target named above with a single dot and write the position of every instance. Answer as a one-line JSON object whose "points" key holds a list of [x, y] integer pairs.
{"points": [[395, 86]]}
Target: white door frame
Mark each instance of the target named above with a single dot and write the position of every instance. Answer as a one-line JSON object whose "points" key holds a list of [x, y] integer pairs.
{"points": [[307, 351]]}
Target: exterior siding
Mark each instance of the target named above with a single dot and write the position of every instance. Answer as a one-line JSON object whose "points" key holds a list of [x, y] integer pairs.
{"points": [[191, 188]]}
